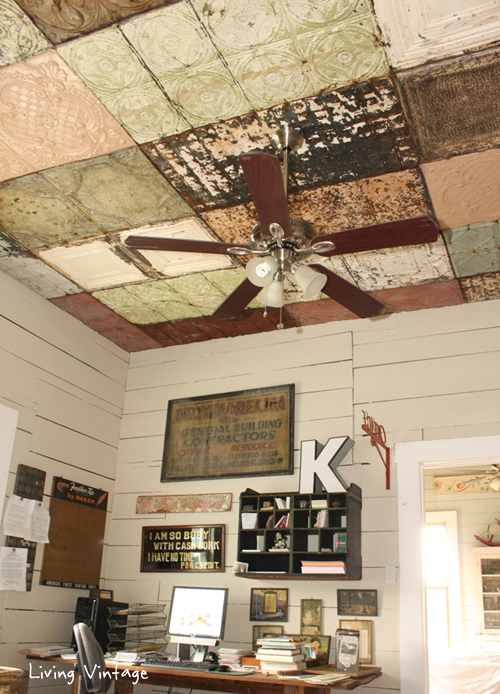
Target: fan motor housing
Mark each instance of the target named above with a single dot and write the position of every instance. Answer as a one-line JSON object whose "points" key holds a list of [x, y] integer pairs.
{"points": [[301, 236]]}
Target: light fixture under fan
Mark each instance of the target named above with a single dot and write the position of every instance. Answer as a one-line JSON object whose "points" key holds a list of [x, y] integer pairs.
{"points": [[280, 243]]}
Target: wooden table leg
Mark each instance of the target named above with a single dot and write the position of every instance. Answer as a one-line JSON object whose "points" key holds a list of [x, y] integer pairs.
{"points": [[124, 686], [74, 688]]}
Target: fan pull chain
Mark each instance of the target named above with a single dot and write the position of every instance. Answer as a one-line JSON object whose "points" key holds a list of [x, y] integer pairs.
{"points": [[280, 325]]}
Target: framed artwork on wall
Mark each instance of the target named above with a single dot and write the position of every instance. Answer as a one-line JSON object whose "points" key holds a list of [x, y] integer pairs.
{"points": [[359, 603], [262, 631], [310, 616], [240, 434], [268, 604], [364, 626]]}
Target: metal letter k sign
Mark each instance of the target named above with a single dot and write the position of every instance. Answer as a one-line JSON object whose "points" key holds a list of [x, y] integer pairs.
{"points": [[318, 465]]}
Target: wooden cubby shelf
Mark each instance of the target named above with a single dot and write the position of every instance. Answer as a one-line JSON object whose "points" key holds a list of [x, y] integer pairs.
{"points": [[288, 535]]}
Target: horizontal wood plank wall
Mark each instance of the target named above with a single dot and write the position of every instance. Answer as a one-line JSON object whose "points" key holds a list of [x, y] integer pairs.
{"points": [[67, 382]]}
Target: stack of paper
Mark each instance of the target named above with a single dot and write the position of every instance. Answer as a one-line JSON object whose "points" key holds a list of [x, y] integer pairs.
{"points": [[48, 651], [322, 567], [232, 656]]}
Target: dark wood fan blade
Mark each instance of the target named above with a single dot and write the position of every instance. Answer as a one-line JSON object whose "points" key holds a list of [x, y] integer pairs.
{"points": [[350, 296], [265, 183], [238, 300], [405, 232], [158, 243]]}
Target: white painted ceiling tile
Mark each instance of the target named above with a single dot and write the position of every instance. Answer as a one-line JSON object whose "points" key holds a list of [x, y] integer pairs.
{"points": [[38, 276], [173, 264], [92, 265]]}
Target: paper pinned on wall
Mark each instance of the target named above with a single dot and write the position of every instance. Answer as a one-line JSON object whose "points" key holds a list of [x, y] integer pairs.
{"points": [[26, 518], [13, 567]]}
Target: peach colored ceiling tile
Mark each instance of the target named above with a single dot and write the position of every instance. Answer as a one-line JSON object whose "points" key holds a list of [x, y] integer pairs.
{"points": [[49, 117], [465, 190]]}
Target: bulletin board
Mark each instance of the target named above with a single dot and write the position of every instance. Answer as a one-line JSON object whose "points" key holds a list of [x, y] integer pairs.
{"points": [[72, 559]]}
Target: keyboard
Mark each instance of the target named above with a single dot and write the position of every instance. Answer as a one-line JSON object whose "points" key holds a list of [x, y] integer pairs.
{"points": [[202, 666]]}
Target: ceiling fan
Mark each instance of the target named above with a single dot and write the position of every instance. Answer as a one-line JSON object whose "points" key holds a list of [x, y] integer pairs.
{"points": [[280, 243]]}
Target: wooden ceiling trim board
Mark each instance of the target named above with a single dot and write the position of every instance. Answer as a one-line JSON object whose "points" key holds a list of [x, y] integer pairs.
{"points": [[355, 132], [67, 19], [451, 105], [417, 31]]}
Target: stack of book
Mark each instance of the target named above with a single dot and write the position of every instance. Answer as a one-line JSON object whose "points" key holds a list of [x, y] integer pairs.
{"points": [[322, 567], [281, 654]]}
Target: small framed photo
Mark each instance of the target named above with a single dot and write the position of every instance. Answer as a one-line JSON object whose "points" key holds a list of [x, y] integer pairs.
{"points": [[268, 604], [357, 603], [364, 626], [310, 616], [262, 631]]}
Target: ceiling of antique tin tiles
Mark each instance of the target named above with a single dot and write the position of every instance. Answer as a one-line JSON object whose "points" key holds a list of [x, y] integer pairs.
{"points": [[123, 117]]}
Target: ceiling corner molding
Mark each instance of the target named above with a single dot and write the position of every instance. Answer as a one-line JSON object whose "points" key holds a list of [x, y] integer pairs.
{"points": [[416, 31]]}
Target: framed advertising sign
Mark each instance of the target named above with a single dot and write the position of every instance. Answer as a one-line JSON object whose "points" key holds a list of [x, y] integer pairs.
{"points": [[183, 548], [240, 434]]}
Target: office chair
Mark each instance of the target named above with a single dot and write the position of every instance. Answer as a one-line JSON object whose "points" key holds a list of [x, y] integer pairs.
{"points": [[89, 661]]}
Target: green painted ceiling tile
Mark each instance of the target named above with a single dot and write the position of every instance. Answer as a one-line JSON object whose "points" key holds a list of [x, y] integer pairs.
{"points": [[473, 238], [177, 310], [226, 280], [139, 315], [476, 263], [242, 25], [117, 298], [322, 14], [171, 38], [122, 190], [19, 37], [272, 73], [339, 58], [206, 94], [153, 293], [198, 291], [36, 215]]}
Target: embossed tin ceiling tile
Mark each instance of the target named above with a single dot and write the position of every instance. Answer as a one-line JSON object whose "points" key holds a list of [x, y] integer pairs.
{"points": [[67, 19], [35, 214], [451, 105], [465, 190], [160, 298], [118, 191], [177, 263], [198, 291], [19, 38], [38, 276], [111, 69], [227, 281], [9, 247], [232, 224], [481, 287], [474, 249], [92, 265], [355, 132], [49, 117]]}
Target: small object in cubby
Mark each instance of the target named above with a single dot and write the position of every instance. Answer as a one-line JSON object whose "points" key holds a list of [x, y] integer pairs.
{"points": [[280, 544], [267, 504], [339, 542], [248, 521]]}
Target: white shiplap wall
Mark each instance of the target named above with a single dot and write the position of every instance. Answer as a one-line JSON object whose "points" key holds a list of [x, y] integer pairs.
{"points": [[67, 383], [423, 375]]}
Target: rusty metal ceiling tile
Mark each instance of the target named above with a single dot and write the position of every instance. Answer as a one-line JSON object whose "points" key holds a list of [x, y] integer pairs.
{"points": [[465, 190], [481, 287], [355, 132], [475, 249], [106, 322], [66, 19], [19, 37], [9, 247], [452, 106], [335, 207], [49, 117]]}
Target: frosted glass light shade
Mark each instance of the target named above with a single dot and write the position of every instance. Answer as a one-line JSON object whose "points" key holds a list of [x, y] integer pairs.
{"points": [[274, 294], [260, 271], [310, 281], [494, 485]]}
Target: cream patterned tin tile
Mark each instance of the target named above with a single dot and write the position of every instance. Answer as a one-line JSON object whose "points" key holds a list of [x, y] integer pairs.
{"points": [[49, 117], [19, 37]]}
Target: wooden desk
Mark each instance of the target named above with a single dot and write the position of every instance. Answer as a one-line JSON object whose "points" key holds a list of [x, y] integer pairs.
{"points": [[215, 682]]}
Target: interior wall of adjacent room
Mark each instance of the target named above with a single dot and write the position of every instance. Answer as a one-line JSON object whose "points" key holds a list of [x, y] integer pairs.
{"points": [[67, 383], [430, 374]]}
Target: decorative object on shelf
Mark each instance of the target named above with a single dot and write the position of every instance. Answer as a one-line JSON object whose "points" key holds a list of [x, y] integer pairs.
{"points": [[238, 434], [488, 481], [264, 631], [268, 604], [492, 531], [319, 644], [310, 616], [365, 628], [183, 503], [282, 243], [357, 602], [378, 438], [105, 594], [330, 549], [183, 548], [319, 465]]}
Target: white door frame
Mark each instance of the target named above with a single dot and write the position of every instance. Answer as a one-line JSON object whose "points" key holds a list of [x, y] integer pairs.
{"points": [[410, 459]]}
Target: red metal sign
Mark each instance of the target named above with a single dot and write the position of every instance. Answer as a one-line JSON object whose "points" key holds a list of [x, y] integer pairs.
{"points": [[376, 432]]}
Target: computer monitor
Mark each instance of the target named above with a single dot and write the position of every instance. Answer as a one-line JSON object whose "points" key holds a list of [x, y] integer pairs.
{"points": [[196, 618]]}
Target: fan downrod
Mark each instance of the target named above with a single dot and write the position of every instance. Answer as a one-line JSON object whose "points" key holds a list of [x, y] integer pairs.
{"points": [[287, 138]]}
